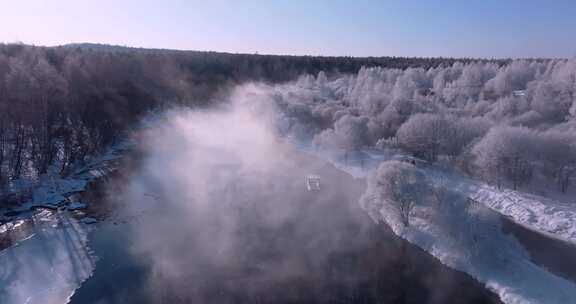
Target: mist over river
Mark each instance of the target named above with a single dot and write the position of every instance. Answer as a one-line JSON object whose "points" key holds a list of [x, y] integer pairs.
{"points": [[324, 249]]}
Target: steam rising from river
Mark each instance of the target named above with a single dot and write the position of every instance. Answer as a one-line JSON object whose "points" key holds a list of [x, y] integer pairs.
{"points": [[221, 214], [213, 189]]}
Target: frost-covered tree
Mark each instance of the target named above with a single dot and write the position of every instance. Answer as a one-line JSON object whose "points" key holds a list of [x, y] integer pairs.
{"points": [[507, 152], [424, 135], [469, 85], [515, 76], [558, 157], [349, 133], [552, 100], [50, 89], [447, 111], [463, 132], [393, 116], [395, 188]]}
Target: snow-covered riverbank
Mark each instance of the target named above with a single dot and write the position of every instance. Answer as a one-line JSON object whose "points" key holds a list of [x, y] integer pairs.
{"points": [[544, 215], [52, 190], [49, 265], [476, 243], [496, 259], [52, 259]]}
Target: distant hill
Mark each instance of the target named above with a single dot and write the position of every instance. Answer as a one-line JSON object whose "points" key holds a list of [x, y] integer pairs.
{"points": [[118, 48], [383, 61]]}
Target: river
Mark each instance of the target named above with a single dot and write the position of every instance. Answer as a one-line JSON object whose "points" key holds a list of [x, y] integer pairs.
{"points": [[327, 251]]}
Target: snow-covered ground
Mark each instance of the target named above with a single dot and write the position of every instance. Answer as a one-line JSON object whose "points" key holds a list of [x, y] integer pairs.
{"points": [[544, 215], [474, 241], [48, 266], [553, 218], [53, 190], [53, 260]]}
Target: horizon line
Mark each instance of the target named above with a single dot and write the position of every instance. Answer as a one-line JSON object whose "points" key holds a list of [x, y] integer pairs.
{"points": [[71, 44]]}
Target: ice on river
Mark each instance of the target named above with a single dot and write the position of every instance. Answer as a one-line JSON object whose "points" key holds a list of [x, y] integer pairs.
{"points": [[47, 267]]}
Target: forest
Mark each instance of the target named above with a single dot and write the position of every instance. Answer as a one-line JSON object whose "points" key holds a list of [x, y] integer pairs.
{"points": [[60, 105], [503, 120], [511, 124]]}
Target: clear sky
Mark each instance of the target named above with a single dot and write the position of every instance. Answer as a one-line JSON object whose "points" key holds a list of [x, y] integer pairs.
{"points": [[471, 28]]}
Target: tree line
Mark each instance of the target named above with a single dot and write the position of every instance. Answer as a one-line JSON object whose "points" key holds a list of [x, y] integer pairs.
{"points": [[60, 105], [513, 124]]}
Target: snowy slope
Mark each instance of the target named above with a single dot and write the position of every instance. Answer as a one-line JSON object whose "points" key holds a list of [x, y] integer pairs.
{"points": [[468, 236], [47, 267], [498, 260], [52, 190], [550, 217], [538, 213], [475, 242], [553, 218]]}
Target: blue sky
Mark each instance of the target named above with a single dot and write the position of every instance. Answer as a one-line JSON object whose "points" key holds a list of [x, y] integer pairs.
{"points": [[490, 28]]}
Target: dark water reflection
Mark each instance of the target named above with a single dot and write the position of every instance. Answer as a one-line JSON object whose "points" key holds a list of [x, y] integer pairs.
{"points": [[384, 270], [360, 262]]}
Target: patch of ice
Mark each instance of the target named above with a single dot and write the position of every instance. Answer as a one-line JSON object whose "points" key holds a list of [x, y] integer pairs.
{"points": [[89, 220], [52, 190], [77, 205], [47, 267]]}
